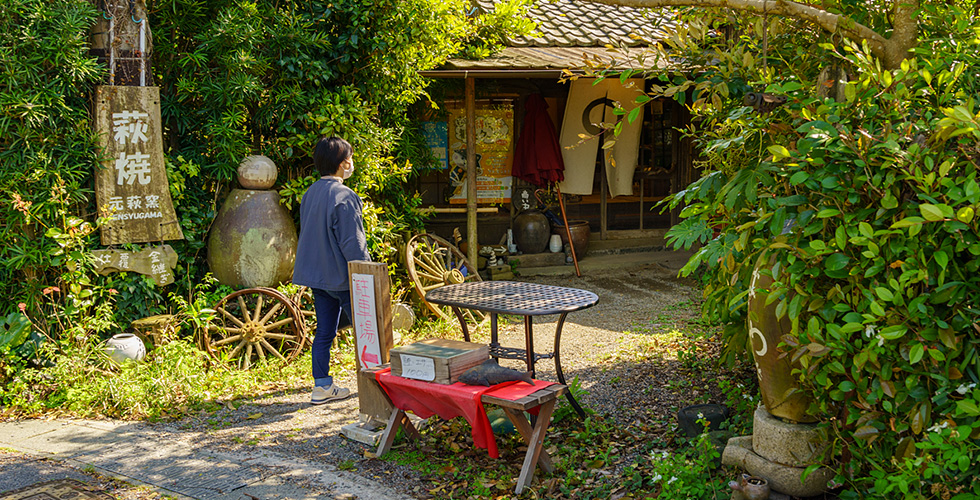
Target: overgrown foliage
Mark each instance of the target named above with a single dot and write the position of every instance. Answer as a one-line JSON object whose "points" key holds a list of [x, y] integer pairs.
{"points": [[866, 209], [237, 78], [47, 155]]}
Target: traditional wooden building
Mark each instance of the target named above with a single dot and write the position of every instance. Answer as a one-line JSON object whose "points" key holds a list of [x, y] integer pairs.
{"points": [[615, 193]]}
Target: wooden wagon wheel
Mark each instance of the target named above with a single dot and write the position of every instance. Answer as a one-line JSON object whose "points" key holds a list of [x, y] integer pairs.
{"points": [[433, 262], [255, 324], [303, 299]]}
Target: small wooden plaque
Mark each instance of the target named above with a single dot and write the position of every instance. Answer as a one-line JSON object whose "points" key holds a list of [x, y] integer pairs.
{"points": [[449, 358]]}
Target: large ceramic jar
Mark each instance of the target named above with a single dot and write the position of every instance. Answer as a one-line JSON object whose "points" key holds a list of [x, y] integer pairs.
{"points": [[532, 231], [780, 390], [581, 234], [253, 238]]}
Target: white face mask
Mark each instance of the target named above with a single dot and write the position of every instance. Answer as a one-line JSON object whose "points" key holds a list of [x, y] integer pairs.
{"points": [[348, 170]]}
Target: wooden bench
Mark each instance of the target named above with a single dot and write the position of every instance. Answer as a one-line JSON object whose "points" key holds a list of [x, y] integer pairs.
{"points": [[543, 399]]}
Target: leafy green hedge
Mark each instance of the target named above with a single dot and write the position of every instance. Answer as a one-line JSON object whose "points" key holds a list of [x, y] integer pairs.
{"points": [[868, 207], [47, 155]]}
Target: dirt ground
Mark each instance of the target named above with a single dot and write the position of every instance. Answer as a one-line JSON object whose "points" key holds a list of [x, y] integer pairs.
{"points": [[623, 352]]}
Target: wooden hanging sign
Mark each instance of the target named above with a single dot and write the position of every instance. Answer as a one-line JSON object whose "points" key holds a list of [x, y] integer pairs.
{"points": [[131, 187], [156, 262]]}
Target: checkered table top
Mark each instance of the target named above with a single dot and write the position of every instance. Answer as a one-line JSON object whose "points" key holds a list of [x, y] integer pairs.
{"points": [[513, 297]]}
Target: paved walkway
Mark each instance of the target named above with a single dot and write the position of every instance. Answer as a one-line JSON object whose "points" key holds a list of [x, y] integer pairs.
{"points": [[144, 454], [139, 454]]}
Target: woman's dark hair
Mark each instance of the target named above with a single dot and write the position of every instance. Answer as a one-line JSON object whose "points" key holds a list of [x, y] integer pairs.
{"points": [[330, 152]]}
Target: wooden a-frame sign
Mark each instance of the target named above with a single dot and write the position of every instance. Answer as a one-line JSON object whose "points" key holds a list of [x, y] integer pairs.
{"points": [[131, 186]]}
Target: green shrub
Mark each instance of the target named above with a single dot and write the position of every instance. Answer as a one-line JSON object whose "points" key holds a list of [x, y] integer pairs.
{"points": [[47, 143], [868, 209]]}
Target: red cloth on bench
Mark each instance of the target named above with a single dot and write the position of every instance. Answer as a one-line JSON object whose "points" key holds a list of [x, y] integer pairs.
{"points": [[425, 399]]}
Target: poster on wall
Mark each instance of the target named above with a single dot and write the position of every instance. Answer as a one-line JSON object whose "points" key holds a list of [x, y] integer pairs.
{"points": [[437, 137], [131, 187], [494, 153]]}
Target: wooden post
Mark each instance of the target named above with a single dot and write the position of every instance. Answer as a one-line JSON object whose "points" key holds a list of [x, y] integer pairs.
{"points": [[603, 182], [373, 401], [472, 242]]}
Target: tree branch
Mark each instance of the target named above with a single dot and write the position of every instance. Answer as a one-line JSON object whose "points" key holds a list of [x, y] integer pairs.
{"points": [[832, 23]]}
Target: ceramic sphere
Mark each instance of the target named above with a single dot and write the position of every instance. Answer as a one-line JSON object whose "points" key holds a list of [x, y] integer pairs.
{"points": [[125, 346], [257, 172]]}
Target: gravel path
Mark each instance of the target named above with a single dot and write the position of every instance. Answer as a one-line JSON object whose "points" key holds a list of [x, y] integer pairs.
{"points": [[617, 349]]}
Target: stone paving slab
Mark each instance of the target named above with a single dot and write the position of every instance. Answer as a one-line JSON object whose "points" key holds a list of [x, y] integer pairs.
{"points": [[157, 458]]}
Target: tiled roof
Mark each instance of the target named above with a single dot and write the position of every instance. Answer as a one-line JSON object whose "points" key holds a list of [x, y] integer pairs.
{"points": [[574, 23], [551, 58]]}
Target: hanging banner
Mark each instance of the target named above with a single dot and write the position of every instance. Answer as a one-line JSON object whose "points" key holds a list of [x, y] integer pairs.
{"points": [[437, 137], [131, 187], [588, 105], [494, 153]]}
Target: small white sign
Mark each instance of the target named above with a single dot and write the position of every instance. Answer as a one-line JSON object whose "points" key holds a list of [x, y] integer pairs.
{"points": [[365, 320], [418, 368]]}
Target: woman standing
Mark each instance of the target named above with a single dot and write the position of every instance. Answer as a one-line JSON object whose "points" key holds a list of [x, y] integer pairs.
{"points": [[331, 235]]}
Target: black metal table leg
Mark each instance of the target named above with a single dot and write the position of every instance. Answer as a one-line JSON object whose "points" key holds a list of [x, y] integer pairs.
{"points": [[561, 375], [529, 344], [462, 323]]}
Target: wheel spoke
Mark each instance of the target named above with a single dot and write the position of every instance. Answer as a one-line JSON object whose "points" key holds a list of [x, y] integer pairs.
{"points": [[244, 308], [229, 315], [277, 324], [248, 356], [223, 329], [258, 349], [436, 257], [234, 352], [258, 307], [273, 351], [280, 336], [432, 287], [429, 276], [428, 267], [268, 315], [226, 341]]}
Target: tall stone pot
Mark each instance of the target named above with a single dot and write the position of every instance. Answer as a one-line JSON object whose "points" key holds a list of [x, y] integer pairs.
{"points": [[779, 386], [252, 241]]}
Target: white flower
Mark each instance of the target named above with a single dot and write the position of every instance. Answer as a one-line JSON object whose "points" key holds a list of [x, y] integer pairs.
{"points": [[881, 340], [656, 478], [869, 331], [939, 427], [747, 396], [700, 416], [965, 388], [671, 480]]}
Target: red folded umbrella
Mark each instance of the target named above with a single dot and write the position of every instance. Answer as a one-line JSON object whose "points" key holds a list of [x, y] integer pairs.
{"points": [[537, 155]]}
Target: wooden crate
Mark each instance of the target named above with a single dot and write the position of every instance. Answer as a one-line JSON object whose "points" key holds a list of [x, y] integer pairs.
{"points": [[441, 361]]}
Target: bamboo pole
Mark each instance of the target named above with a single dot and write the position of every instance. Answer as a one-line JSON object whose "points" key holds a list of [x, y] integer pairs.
{"points": [[472, 242], [568, 230]]}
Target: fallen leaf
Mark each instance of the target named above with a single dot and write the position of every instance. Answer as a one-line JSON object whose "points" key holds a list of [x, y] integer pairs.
{"points": [[254, 416]]}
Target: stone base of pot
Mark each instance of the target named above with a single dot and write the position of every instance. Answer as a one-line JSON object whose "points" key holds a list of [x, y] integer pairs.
{"points": [[795, 445], [773, 495], [782, 478]]}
